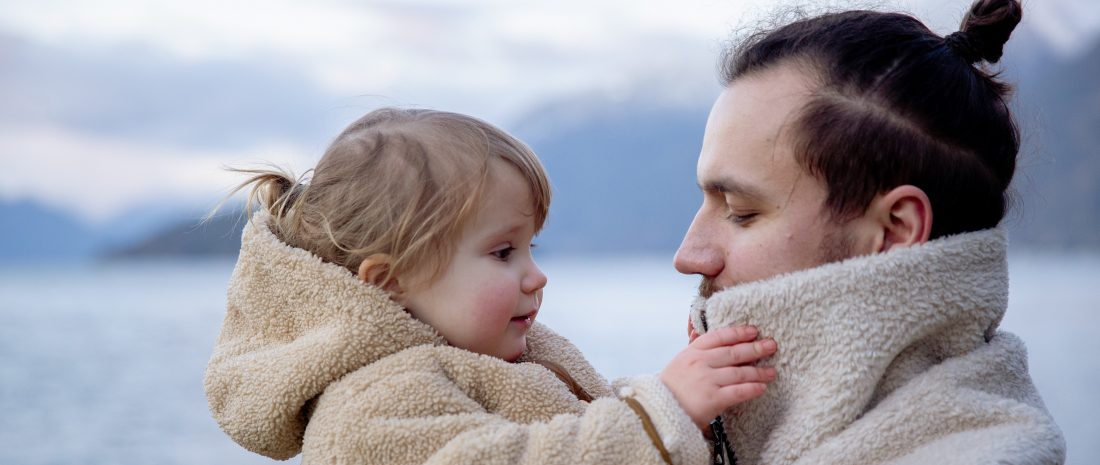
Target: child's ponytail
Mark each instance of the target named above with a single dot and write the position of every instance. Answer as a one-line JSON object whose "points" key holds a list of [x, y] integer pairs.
{"points": [[273, 189], [277, 191]]}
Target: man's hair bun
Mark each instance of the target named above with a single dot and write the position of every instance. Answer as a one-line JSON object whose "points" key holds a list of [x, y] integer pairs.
{"points": [[985, 29]]}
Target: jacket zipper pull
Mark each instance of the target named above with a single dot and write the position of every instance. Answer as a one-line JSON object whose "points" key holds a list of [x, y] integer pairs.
{"points": [[722, 454]]}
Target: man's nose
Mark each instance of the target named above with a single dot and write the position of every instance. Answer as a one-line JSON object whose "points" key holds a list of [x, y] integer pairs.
{"points": [[697, 253]]}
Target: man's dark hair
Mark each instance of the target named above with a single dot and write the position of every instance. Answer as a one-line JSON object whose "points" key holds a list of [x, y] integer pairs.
{"points": [[897, 104]]}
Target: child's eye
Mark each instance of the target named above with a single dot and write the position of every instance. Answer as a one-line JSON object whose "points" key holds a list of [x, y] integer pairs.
{"points": [[504, 253]]}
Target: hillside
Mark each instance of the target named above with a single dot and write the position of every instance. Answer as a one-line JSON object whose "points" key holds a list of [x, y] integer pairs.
{"points": [[1058, 180], [221, 236], [623, 178], [32, 232]]}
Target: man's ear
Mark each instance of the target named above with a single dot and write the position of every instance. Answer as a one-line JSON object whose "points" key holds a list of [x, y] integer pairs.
{"points": [[375, 270], [903, 217]]}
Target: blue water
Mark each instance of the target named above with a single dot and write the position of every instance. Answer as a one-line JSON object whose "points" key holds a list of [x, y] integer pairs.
{"points": [[102, 364]]}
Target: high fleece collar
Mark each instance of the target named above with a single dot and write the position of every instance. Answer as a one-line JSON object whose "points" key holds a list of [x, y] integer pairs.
{"points": [[853, 332]]}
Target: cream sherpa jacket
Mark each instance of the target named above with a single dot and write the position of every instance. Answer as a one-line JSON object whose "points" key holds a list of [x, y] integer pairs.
{"points": [[892, 358], [311, 359]]}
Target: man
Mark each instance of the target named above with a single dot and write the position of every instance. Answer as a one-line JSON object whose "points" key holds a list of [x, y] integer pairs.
{"points": [[854, 171]]}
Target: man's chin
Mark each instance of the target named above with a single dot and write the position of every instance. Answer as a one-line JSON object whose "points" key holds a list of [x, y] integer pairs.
{"points": [[707, 287]]}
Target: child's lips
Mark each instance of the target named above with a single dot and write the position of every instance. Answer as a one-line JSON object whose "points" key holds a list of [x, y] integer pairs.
{"points": [[526, 319]]}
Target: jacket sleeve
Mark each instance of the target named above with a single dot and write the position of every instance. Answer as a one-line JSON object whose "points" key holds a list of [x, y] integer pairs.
{"points": [[440, 405]]}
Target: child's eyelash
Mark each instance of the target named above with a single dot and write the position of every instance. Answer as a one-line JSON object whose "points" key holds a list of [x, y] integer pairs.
{"points": [[503, 253]]}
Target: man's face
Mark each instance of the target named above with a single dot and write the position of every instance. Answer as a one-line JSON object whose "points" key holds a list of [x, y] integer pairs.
{"points": [[762, 215]]}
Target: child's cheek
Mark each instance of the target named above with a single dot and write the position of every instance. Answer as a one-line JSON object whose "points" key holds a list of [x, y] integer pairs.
{"points": [[496, 305]]}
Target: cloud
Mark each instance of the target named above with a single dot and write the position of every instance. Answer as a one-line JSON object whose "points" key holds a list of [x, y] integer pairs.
{"points": [[130, 91], [491, 58], [1070, 26], [196, 30], [98, 177]]}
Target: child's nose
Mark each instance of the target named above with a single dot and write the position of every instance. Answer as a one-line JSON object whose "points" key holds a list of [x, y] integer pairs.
{"points": [[534, 280]]}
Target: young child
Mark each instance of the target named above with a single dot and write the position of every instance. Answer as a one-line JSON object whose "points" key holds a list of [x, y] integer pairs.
{"points": [[385, 312]]}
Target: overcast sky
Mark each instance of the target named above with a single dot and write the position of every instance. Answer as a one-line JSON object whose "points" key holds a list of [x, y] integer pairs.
{"points": [[108, 105]]}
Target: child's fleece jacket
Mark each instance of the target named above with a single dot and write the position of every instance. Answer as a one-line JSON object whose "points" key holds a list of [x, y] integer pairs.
{"points": [[312, 360]]}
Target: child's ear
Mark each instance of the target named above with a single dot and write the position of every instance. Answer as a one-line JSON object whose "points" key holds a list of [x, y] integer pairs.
{"points": [[375, 268]]}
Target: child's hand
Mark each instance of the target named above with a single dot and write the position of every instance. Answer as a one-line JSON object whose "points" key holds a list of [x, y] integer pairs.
{"points": [[712, 373], [692, 335]]}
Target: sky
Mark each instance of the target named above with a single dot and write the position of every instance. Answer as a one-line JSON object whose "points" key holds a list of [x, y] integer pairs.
{"points": [[110, 105]]}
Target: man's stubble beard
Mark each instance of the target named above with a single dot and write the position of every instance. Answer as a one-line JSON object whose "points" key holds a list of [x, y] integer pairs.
{"points": [[836, 245]]}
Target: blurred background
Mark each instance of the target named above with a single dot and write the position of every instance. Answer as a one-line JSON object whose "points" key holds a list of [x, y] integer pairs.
{"points": [[118, 117]]}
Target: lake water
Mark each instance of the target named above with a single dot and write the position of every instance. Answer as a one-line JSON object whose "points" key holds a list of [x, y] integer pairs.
{"points": [[102, 364]]}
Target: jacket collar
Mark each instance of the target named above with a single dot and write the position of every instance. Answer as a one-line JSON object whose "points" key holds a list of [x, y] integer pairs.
{"points": [[851, 332]]}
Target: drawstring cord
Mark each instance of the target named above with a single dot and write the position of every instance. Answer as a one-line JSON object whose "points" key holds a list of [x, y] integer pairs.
{"points": [[721, 454]]}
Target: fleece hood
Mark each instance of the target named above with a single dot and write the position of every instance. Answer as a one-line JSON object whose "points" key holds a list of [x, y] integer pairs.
{"points": [[890, 358], [293, 325]]}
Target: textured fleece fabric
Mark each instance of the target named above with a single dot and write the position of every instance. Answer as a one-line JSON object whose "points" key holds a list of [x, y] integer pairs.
{"points": [[891, 358], [312, 360]]}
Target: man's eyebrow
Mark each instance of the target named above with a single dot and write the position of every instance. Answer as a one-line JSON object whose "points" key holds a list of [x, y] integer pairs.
{"points": [[730, 186]]}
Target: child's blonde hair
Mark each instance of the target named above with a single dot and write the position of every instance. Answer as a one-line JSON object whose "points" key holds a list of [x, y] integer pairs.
{"points": [[400, 182]]}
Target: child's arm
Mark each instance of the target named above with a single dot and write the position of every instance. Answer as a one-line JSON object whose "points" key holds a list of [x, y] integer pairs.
{"points": [[443, 405]]}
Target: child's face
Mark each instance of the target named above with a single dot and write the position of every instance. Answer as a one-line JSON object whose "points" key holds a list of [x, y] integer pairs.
{"points": [[488, 296]]}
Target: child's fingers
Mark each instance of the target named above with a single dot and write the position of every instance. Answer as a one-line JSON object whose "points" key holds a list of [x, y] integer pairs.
{"points": [[737, 393], [726, 336], [692, 335], [740, 354], [737, 375]]}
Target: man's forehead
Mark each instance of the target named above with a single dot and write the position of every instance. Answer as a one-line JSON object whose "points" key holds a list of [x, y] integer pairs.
{"points": [[755, 171], [745, 149]]}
